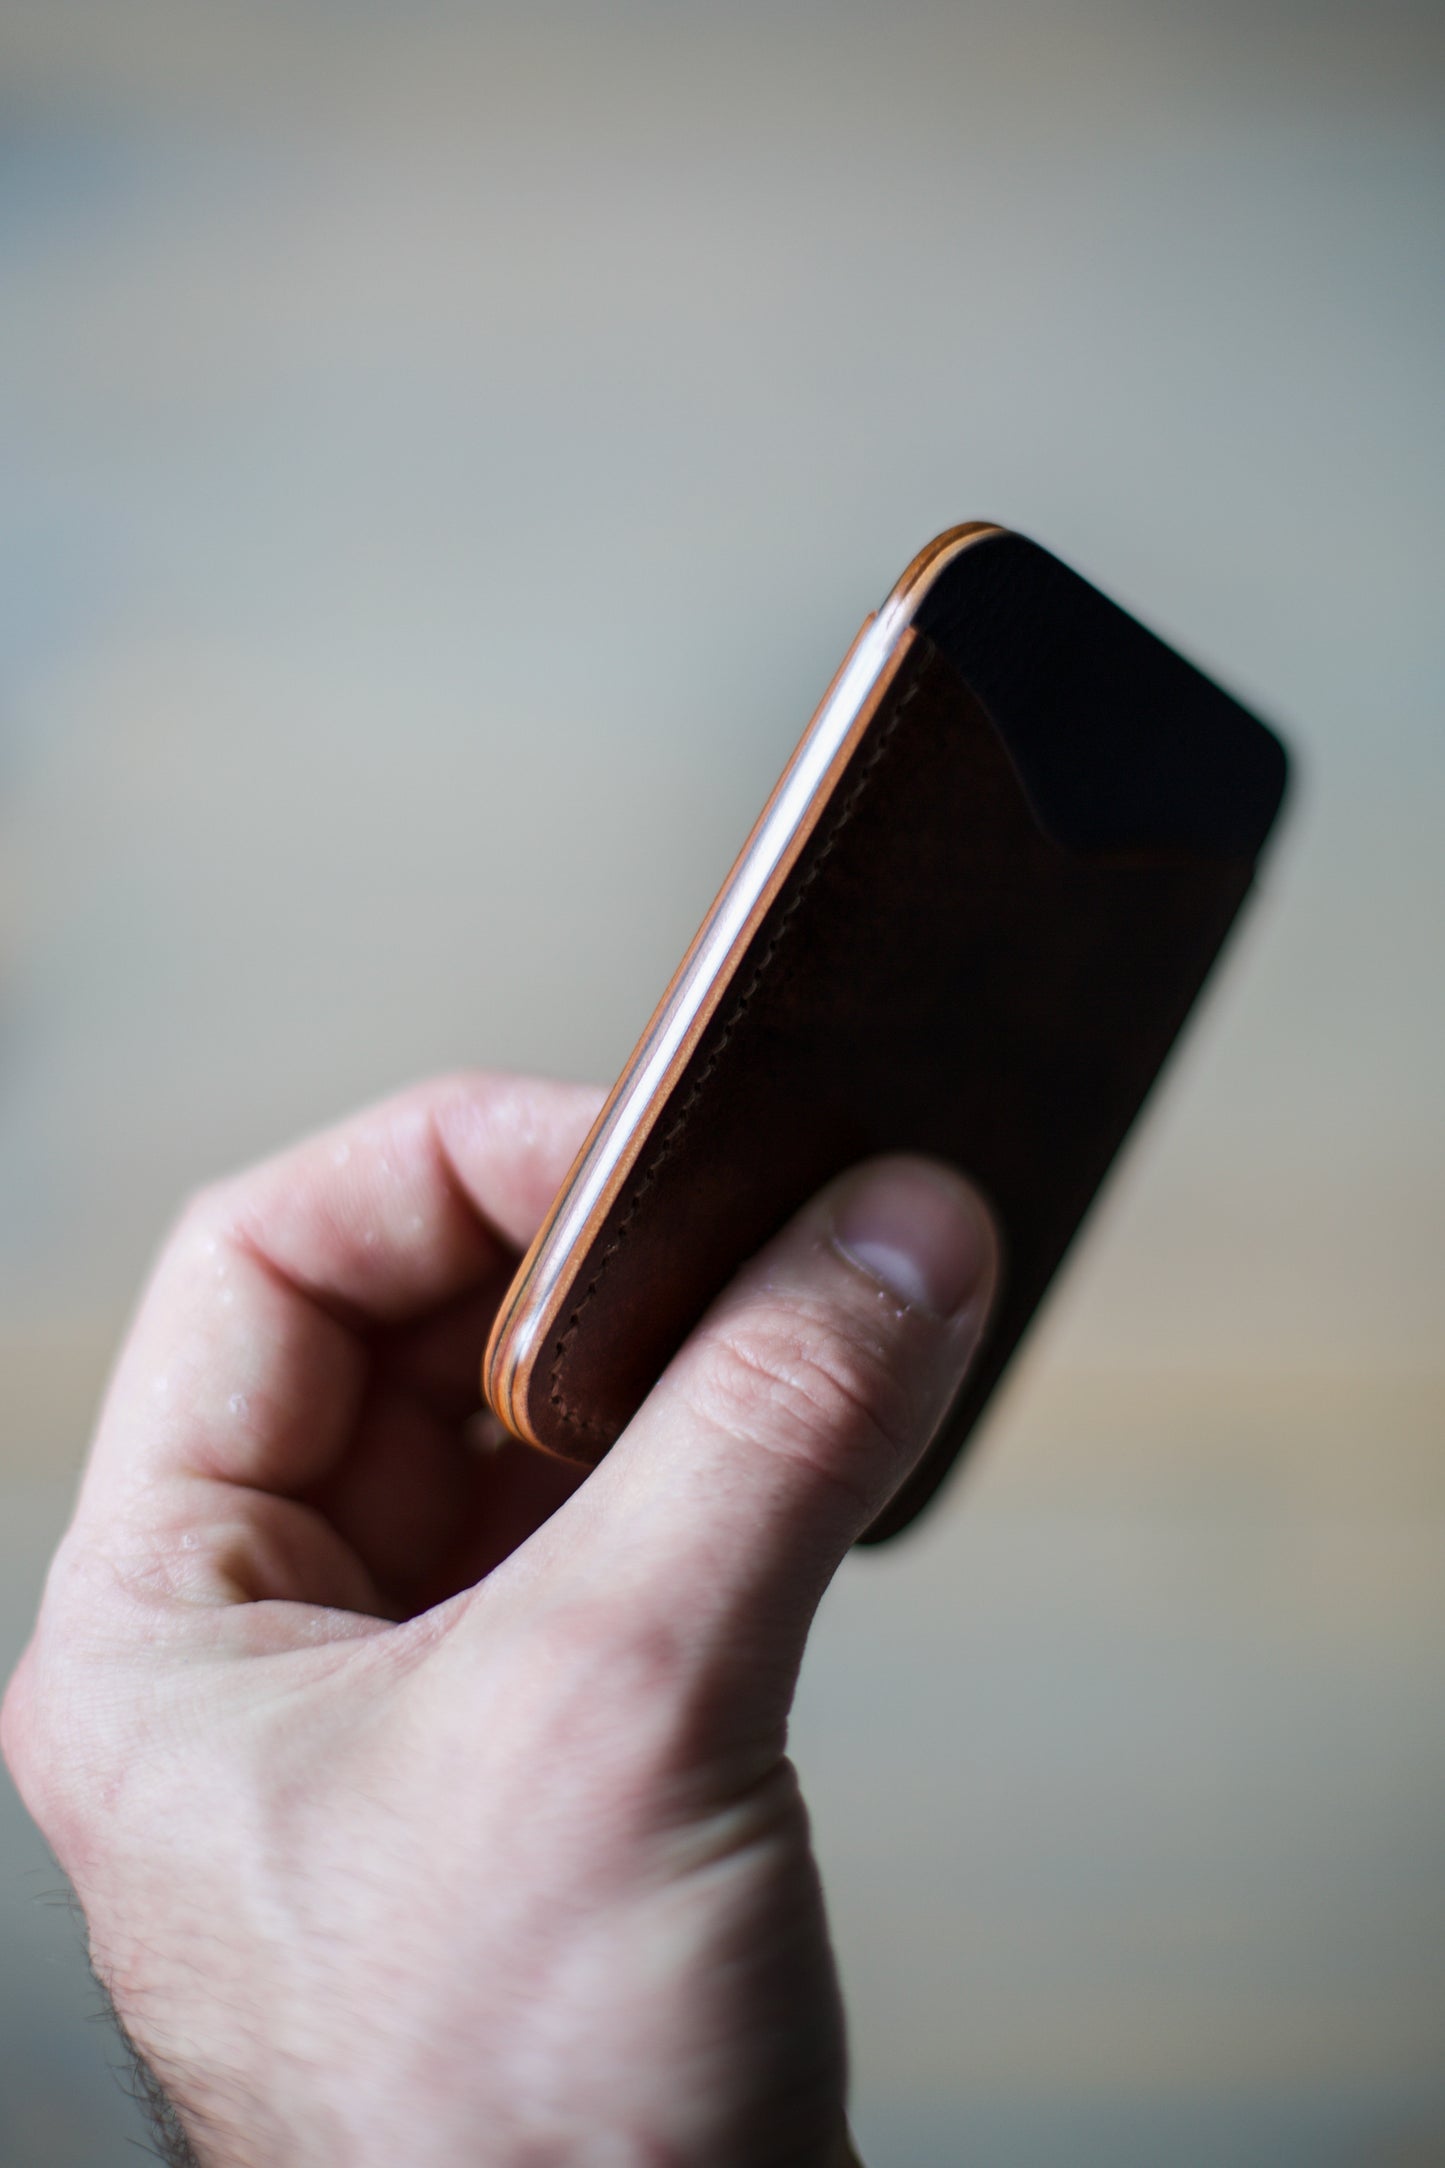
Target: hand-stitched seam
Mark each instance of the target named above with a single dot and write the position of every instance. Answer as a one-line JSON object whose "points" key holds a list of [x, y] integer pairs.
{"points": [[676, 1126]]}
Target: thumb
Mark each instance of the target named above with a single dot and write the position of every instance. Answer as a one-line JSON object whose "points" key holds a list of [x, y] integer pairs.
{"points": [[793, 1413]]}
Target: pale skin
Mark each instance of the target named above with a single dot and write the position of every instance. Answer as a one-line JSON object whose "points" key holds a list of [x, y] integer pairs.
{"points": [[427, 1802]]}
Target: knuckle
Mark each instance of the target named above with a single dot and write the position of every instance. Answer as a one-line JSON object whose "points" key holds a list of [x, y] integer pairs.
{"points": [[203, 1212], [804, 1385], [67, 1724], [32, 1738], [17, 1733]]}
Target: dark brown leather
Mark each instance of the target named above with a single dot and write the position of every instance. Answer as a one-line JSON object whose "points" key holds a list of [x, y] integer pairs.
{"points": [[984, 952]]}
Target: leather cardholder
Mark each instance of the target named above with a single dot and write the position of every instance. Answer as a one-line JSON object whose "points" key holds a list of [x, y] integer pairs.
{"points": [[974, 930]]}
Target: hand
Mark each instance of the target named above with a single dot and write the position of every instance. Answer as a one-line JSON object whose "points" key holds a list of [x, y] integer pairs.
{"points": [[428, 1803]]}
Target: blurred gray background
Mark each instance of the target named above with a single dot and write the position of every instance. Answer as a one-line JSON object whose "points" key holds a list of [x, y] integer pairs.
{"points": [[444, 451]]}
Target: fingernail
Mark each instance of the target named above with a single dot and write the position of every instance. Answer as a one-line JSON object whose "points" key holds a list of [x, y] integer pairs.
{"points": [[919, 1231]]}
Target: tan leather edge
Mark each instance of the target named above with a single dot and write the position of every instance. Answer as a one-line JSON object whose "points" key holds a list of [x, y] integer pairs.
{"points": [[500, 1362], [543, 1283], [529, 1310]]}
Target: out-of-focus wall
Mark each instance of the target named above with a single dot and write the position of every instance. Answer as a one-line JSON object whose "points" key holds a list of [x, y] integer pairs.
{"points": [[444, 451]]}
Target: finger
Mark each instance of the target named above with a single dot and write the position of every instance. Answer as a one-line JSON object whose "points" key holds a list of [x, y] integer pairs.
{"points": [[434, 1358], [428, 1505], [408, 1483], [249, 1357], [518, 1489], [788, 1420], [412, 1202]]}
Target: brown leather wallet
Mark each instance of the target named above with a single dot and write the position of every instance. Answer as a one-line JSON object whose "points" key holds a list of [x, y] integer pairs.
{"points": [[970, 922]]}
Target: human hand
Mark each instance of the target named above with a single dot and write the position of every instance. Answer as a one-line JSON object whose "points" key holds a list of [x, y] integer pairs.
{"points": [[427, 1803]]}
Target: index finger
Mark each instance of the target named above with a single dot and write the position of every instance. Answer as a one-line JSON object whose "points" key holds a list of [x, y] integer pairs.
{"points": [[248, 1356]]}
